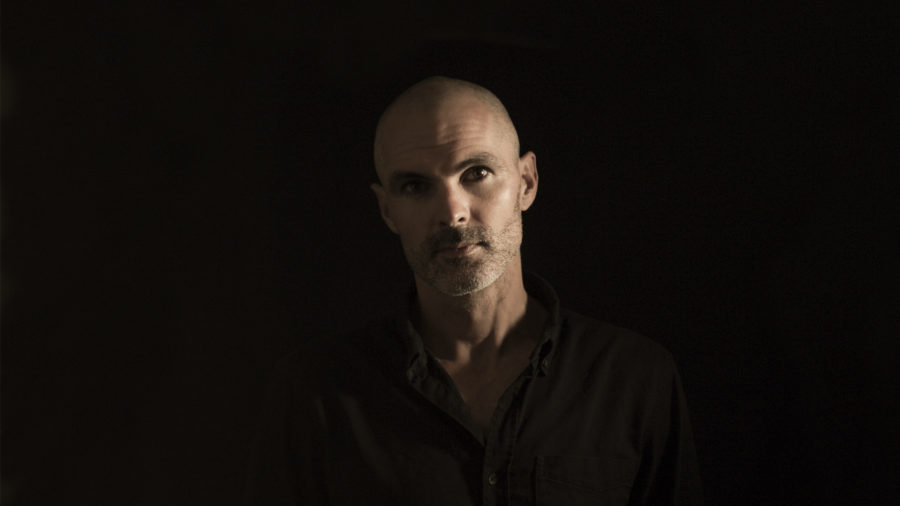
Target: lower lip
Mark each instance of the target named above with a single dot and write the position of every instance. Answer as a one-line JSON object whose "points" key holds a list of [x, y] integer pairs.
{"points": [[460, 252]]}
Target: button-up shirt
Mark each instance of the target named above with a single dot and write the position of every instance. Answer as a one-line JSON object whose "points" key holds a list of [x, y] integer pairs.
{"points": [[598, 416]]}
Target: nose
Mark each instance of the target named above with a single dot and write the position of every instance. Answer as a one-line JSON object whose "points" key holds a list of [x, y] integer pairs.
{"points": [[452, 206]]}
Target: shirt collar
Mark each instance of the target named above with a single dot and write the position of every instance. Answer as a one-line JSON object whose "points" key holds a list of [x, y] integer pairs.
{"points": [[542, 356]]}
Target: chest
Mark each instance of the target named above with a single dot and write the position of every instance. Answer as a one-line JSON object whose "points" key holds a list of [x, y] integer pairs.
{"points": [[403, 448], [481, 390]]}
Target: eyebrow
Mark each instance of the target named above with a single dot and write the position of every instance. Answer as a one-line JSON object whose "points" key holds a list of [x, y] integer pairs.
{"points": [[400, 177], [480, 158], [477, 159]]}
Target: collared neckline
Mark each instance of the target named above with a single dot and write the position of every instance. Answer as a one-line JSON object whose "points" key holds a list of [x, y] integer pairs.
{"points": [[541, 357]]}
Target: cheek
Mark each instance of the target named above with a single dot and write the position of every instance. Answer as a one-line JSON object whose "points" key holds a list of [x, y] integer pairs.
{"points": [[497, 206], [409, 223]]}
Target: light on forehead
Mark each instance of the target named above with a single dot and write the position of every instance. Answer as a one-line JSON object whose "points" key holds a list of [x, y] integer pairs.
{"points": [[433, 94]]}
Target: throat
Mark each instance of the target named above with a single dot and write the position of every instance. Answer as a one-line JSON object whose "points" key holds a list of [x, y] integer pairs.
{"points": [[481, 394], [481, 387]]}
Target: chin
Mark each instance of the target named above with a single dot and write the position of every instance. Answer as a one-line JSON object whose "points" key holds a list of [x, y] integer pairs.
{"points": [[459, 285], [458, 289]]}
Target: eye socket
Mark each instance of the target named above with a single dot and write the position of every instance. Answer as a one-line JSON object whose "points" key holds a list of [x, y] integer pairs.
{"points": [[413, 187], [476, 173]]}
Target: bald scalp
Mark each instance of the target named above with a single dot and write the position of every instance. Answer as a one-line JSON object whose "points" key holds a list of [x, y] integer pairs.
{"points": [[428, 95]]}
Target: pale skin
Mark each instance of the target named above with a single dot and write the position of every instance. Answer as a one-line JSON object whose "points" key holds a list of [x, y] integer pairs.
{"points": [[455, 163]]}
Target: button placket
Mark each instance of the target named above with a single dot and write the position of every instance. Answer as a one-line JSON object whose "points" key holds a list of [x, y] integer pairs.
{"points": [[499, 443]]}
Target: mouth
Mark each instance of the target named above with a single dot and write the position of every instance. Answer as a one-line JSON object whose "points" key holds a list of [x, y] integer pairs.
{"points": [[460, 250]]}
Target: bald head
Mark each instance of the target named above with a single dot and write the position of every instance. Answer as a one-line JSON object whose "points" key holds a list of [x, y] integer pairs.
{"points": [[428, 102]]}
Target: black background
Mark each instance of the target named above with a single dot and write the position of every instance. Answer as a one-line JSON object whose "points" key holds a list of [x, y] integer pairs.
{"points": [[185, 199]]}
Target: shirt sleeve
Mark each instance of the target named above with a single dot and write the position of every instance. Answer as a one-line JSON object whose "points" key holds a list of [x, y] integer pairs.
{"points": [[668, 473], [284, 468]]}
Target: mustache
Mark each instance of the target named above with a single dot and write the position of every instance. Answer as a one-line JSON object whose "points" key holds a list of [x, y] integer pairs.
{"points": [[453, 236]]}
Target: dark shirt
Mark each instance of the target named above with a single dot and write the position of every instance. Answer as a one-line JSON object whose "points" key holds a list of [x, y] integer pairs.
{"points": [[597, 417]]}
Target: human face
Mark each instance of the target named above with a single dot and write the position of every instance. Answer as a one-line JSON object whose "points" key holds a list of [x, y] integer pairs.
{"points": [[453, 190]]}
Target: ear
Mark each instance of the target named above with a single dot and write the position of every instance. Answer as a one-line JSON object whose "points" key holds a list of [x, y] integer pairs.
{"points": [[529, 173], [383, 206]]}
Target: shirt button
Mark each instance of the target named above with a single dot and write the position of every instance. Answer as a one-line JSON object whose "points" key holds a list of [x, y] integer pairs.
{"points": [[492, 479]]}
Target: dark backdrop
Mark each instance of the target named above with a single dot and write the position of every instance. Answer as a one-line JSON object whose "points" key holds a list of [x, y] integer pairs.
{"points": [[184, 200]]}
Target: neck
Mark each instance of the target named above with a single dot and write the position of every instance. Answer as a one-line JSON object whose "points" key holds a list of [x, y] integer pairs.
{"points": [[475, 326]]}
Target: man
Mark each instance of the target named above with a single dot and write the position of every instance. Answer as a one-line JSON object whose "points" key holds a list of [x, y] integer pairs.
{"points": [[483, 390]]}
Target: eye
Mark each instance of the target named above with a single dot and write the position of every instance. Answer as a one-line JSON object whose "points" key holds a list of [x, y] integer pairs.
{"points": [[413, 187], [476, 173]]}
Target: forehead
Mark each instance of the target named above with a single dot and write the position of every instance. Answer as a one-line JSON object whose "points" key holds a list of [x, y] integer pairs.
{"points": [[422, 138]]}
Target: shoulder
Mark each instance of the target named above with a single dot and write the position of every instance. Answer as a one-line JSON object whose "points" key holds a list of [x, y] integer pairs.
{"points": [[591, 342]]}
